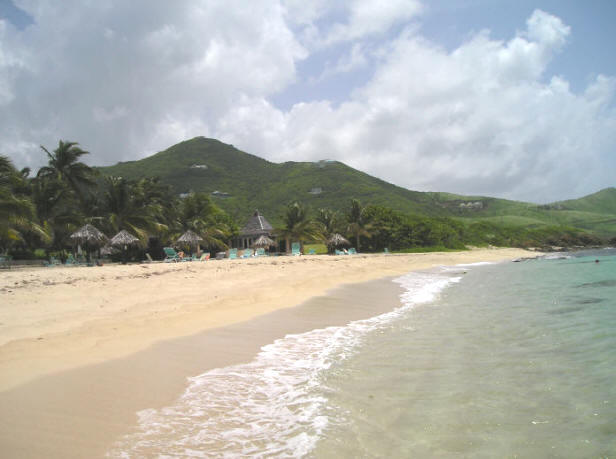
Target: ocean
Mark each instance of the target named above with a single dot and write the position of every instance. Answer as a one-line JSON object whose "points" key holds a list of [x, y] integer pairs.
{"points": [[484, 360]]}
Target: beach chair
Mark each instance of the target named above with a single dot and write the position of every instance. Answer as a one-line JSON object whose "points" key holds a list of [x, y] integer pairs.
{"points": [[70, 260], [260, 252], [171, 255], [385, 250], [295, 249], [312, 252], [5, 261], [205, 256], [148, 258], [352, 251], [340, 252], [53, 261], [232, 254], [247, 253]]}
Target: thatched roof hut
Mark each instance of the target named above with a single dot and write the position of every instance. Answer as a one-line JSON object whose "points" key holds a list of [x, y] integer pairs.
{"points": [[123, 238], [256, 226], [263, 241], [337, 240], [90, 235], [189, 237]]}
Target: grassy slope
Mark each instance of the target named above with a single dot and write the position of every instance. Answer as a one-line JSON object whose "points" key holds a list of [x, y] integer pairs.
{"points": [[255, 183]]}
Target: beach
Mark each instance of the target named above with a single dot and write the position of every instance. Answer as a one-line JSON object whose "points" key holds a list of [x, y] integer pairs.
{"points": [[83, 349]]}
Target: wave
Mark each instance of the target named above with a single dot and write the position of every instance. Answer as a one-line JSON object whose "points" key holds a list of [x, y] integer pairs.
{"points": [[275, 405]]}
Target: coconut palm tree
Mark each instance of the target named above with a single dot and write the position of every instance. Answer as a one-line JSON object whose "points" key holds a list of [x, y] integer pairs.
{"points": [[17, 215], [123, 210], [64, 166], [298, 225], [198, 213], [358, 224]]}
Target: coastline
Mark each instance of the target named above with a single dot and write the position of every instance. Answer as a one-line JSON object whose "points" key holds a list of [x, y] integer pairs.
{"points": [[55, 319], [85, 380]]}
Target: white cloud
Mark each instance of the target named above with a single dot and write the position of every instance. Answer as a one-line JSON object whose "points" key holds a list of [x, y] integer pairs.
{"points": [[128, 79], [478, 120]]}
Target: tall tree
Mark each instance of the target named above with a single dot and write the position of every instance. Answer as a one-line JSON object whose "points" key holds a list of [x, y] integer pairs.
{"points": [[123, 208], [298, 225], [199, 214], [64, 166], [17, 215], [357, 222]]}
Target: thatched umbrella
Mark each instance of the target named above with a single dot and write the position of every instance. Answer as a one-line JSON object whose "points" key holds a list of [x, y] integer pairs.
{"points": [[89, 236], [263, 241], [123, 239], [190, 238], [337, 240]]}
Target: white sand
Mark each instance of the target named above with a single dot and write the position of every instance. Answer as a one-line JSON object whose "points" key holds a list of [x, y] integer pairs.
{"points": [[54, 319]]}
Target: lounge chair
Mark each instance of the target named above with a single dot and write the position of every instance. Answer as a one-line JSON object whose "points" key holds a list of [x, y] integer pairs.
{"points": [[53, 261], [312, 252], [340, 252], [260, 252], [247, 253], [70, 260], [5, 261], [205, 256], [385, 250], [232, 254], [148, 258], [295, 249], [352, 251], [171, 255]]}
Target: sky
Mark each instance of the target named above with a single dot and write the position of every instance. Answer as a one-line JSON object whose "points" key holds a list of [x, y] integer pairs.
{"points": [[476, 97]]}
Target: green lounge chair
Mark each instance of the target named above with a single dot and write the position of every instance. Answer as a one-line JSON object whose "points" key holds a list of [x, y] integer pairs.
{"points": [[295, 249], [232, 254], [340, 252], [247, 253], [386, 250], [205, 256], [5, 261], [70, 260], [352, 251], [260, 252], [171, 255]]}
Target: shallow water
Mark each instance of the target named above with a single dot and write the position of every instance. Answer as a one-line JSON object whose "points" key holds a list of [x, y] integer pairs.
{"points": [[503, 360]]}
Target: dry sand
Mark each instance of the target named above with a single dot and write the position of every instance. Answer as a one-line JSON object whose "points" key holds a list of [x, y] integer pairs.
{"points": [[72, 376]]}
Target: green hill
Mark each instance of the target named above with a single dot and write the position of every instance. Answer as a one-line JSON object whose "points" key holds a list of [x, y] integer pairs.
{"points": [[240, 182]]}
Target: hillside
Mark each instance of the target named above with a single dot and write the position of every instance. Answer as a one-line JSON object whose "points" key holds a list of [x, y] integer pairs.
{"points": [[240, 182]]}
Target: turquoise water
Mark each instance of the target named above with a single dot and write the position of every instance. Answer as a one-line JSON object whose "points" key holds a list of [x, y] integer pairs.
{"points": [[488, 360], [515, 360]]}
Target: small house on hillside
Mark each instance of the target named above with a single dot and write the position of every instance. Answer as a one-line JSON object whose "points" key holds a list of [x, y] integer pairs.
{"points": [[256, 226]]}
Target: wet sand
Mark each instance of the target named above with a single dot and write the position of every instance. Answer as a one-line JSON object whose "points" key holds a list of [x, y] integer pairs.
{"points": [[83, 349]]}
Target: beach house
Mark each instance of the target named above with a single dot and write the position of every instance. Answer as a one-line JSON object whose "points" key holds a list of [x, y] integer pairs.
{"points": [[256, 226]]}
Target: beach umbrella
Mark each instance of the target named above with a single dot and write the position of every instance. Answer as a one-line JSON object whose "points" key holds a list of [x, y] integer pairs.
{"points": [[337, 240], [189, 238], [123, 239], [89, 236], [263, 241]]}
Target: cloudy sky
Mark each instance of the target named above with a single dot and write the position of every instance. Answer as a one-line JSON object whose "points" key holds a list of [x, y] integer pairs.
{"points": [[492, 97]]}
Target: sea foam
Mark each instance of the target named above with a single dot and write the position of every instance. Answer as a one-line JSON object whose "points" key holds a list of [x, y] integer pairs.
{"points": [[276, 405]]}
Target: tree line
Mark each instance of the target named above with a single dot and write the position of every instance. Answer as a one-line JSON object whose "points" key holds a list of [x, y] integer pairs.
{"points": [[38, 214]]}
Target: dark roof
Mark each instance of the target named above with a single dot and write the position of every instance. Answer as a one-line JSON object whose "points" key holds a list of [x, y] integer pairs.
{"points": [[256, 225]]}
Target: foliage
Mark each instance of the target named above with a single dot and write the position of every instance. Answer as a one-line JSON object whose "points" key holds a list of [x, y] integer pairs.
{"points": [[298, 226]]}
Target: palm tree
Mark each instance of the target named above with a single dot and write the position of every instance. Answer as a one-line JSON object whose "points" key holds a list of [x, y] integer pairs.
{"points": [[357, 222], [298, 225], [123, 210], [199, 214], [17, 215], [64, 166]]}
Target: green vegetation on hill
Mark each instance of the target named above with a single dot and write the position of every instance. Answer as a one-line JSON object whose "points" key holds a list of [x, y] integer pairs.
{"points": [[246, 182], [210, 188], [207, 165]]}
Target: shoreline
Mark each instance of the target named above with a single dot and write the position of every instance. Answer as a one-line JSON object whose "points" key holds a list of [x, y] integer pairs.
{"points": [[86, 379], [59, 318]]}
